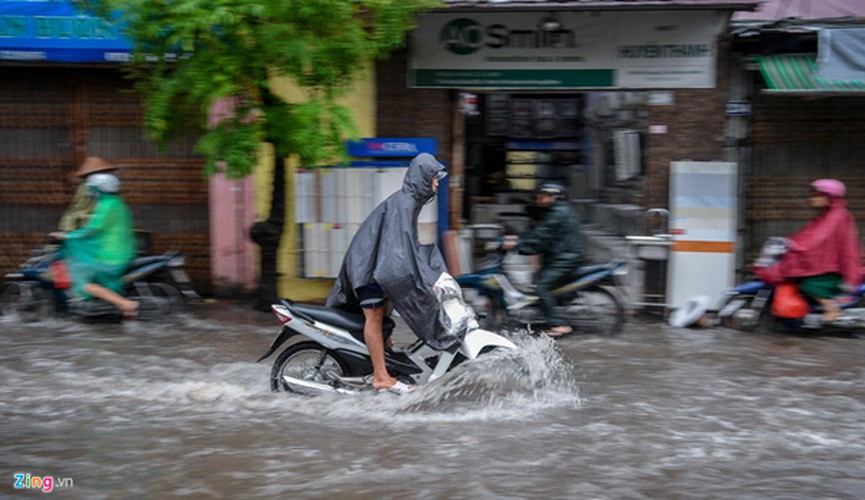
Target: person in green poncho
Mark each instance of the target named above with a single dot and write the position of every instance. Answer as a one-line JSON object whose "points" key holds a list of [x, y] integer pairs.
{"points": [[99, 253], [78, 213]]}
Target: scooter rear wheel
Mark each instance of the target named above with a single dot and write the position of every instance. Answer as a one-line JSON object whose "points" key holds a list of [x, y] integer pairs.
{"points": [[595, 310], [306, 361], [158, 300]]}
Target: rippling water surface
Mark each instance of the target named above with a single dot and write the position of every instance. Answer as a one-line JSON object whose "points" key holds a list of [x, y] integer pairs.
{"points": [[168, 411]]}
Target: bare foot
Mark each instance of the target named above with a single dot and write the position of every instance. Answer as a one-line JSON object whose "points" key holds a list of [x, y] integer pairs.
{"points": [[831, 311], [383, 383], [559, 331], [130, 311], [831, 314]]}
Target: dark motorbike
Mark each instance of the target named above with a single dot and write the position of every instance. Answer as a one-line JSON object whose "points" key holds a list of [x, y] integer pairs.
{"points": [[587, 299], [41, 288]]}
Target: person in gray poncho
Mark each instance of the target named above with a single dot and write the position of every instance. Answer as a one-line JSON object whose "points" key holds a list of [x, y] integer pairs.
{"points": [[385, 261]]}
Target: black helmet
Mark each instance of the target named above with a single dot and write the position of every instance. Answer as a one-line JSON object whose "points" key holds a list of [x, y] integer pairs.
{"points": [[551, 189]]}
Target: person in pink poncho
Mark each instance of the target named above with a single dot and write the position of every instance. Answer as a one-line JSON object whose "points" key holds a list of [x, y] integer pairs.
{"points": [[825, 257]]}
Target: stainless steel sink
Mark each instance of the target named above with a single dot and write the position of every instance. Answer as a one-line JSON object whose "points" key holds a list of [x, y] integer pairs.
{"points": [[655, 247]]}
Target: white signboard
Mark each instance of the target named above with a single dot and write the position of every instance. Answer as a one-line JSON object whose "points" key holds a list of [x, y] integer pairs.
{"points": [[704, 204], [513, 50]]}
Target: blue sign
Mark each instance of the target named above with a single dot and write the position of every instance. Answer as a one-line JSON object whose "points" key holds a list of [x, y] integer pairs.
{"points": [[54, 30], [380, 147], [738, 108]]}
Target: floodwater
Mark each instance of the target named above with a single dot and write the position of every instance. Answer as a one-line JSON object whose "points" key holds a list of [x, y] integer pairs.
{"points": [[183, 411]]}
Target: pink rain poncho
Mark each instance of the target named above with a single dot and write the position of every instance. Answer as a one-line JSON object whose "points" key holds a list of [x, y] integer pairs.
{"points": [[828, 244]]}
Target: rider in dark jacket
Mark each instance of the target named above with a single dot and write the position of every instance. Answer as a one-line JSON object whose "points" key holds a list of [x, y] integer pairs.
{"points": [[556, 238]]}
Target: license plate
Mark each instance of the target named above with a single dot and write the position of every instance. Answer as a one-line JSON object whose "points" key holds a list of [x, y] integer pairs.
{"points": [[179, 276]]}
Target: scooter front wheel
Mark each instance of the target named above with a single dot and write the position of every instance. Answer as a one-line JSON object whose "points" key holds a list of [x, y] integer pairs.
{"points": [[742, 315], [26, 302], [307, 361]]}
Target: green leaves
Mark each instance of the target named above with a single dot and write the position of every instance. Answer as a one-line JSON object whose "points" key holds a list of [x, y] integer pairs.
{"points": [[231, 47], [316, 131], [230, 148]]}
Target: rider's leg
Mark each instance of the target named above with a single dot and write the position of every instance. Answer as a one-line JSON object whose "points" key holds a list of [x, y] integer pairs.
{"points": [[99, 280], [547, 280], [374, 339], [831, 311], [375, 307], [100, 292], [823, 288]]}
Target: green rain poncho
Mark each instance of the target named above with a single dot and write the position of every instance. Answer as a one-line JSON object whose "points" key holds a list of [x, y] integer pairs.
{"points": [[101, 251]]}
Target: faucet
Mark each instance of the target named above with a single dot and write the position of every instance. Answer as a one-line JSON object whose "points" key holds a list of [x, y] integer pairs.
{"points": [[663, 212]]}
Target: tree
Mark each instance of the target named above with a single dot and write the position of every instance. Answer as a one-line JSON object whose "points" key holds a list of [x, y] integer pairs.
{"points": [[190, 55]]}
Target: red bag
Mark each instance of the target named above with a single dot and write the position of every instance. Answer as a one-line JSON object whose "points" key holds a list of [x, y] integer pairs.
{"points": [[788, 302], [60, 275]]}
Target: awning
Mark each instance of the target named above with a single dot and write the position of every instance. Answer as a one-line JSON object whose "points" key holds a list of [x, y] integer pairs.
{"points": [[841, 54], [56, 31], [797, 74]]}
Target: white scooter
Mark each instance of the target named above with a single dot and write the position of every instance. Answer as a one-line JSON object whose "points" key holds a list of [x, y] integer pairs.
{"points": [[330, 355]]}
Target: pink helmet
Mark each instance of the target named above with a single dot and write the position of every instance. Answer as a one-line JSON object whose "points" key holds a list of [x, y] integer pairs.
{"points": [[832, 187]]}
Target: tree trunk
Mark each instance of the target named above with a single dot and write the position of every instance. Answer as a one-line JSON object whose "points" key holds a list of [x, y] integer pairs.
{"points": [[267, 235]]}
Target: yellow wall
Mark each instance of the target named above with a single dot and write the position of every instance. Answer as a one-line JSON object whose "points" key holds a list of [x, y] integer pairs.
{"points": [[361, 102]]}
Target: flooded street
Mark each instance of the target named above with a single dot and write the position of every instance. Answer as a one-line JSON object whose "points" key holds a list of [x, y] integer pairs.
{"points": [[144, 411]]}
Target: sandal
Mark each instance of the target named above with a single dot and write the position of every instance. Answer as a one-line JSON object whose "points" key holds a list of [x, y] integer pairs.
{"points": [[399, 388]]}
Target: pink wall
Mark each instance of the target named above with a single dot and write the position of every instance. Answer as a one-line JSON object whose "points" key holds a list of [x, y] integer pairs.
{"points": [[232, 253]]}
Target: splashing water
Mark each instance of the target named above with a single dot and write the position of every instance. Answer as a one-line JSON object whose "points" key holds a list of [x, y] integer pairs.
{"points": [[501, 385], [121, 363]]}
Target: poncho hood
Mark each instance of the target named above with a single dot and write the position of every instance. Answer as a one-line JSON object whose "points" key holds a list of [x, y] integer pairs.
{"points": [[386, 250]]}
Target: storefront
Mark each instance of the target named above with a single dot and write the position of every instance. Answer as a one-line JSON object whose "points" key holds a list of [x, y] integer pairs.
{"points": [[601, 96], [563, 92]]}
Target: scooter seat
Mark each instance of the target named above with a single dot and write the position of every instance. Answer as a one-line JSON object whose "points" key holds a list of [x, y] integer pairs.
{"points": [[143, 261], [340, 318], [589, 269]]}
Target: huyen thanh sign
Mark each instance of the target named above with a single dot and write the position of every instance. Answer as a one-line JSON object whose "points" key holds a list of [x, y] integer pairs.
{"points": [[631, 50]]}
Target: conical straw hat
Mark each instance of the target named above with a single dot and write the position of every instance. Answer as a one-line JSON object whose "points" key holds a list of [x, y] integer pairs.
{"points": [[93, 164]]}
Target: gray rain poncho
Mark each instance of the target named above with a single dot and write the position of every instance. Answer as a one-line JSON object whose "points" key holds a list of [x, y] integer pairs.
{"points": [[386, 250]]}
